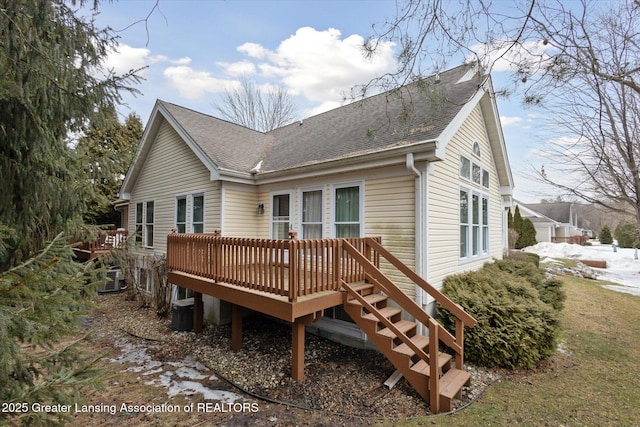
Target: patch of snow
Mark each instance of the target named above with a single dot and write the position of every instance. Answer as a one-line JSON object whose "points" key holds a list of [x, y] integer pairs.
{"points": [[623, 267], [184, 379]]}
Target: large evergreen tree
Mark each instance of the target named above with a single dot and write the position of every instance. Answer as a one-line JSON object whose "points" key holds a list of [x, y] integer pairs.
{"points": [[52, 82]]}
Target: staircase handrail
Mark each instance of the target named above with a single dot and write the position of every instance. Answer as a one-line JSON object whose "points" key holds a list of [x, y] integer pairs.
{"points": [[441, 298], [387, 323], [456, 343]]}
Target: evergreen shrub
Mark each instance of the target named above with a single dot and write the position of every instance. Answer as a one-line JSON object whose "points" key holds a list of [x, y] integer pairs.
{"points": [[605, 235], [628, 235], [516, 326]]}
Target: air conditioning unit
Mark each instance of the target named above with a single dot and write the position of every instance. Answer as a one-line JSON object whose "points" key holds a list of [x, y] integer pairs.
{"points": [[115, 281]]}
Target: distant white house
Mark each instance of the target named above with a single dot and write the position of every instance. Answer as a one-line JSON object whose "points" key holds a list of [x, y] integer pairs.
{"points": [[554, 222]]}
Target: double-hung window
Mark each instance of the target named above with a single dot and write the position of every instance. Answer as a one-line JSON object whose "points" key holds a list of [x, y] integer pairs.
{"points": [[312, 214], [149, 224], [181, 214], [139, 216], [474, 224], [280, 219], [347, 211], [197, 214]]}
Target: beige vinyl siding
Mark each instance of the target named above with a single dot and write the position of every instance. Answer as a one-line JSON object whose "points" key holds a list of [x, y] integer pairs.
{"points": [[390, 214], [444, 184], [240, 211], [171, 169]]}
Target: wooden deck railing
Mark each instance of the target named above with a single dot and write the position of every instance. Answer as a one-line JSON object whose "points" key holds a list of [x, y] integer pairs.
{"points": [[106, 240], [291, 268]]}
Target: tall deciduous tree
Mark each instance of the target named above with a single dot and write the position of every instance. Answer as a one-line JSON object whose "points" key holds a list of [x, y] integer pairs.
{"points": [[52, 82], [106, 150], [578, 60], [249, 106]]}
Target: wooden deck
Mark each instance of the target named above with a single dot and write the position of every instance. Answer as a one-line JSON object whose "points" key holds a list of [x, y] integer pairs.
{"points": [[106, 241], [296, 280]]}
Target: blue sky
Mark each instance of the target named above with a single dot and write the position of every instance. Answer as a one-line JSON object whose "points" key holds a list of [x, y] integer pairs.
{"points": [[194, 50]]}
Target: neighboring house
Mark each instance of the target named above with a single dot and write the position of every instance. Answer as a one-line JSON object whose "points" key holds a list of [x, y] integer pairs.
{"points": [[568, 224], [545, 226], [425, 168]]}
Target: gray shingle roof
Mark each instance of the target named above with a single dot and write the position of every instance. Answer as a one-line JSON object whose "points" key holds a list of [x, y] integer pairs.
{"points": [[228, 145], [418, 112], [415, 113]]}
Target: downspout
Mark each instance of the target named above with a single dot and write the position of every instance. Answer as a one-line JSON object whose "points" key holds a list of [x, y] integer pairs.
{"points": [[419, 236]]}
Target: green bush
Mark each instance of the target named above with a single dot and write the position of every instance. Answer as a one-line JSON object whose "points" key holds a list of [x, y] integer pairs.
{"points": [[524, 256], [605, 236], [550, 290], [628, 235], [516, 328]]}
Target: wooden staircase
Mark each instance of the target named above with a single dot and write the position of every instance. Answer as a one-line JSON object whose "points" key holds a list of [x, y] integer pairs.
{"points": [[398, 339]]}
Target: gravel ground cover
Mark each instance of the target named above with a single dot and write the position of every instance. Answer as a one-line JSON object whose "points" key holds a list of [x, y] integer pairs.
{"points": [[342, 385]]}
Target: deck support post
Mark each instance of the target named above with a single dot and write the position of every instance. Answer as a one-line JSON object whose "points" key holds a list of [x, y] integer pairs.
{"points": [[236, 327], [297, 344], [197, 312], [297, 350]]}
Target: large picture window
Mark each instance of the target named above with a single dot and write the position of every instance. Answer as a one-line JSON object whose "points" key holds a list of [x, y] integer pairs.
{"points": [[474, 224], [347, 212]]}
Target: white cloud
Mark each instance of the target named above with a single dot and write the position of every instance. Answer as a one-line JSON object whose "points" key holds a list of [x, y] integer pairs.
{"points": [[321, 66], [509, 121], [237, 69], [124, 58], [193, 84]]}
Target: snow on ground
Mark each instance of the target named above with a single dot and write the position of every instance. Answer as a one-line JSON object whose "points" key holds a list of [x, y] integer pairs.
{"points": [[623, 265]]}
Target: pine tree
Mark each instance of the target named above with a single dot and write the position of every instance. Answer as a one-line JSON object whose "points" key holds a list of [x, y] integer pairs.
{"points": [[51, 84], [605, 235], [50, 60], [524, 229]]}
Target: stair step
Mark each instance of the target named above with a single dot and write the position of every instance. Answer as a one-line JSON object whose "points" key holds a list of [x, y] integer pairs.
{"points": [[422, 367], [387, 312], [452, 382], [372, 299], [403, 325], [419, 340], [362, 286]]}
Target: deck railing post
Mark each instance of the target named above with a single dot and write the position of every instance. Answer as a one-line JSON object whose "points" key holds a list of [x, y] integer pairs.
{"points": [[293, 269]]}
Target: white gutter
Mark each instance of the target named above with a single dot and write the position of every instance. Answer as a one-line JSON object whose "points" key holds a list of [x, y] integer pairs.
{"points": [[419, 235]]}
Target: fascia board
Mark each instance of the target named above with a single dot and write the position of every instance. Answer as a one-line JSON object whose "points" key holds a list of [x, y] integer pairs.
{"points": [[457, 122], [424, 150]]}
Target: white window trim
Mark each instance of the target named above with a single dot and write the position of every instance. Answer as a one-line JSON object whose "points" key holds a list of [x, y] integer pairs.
{"points": [[291, 210], [470, 178], [186, 212], [204, 210], [332, 205], [483, 251], [301, 207], [145, 242]]}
